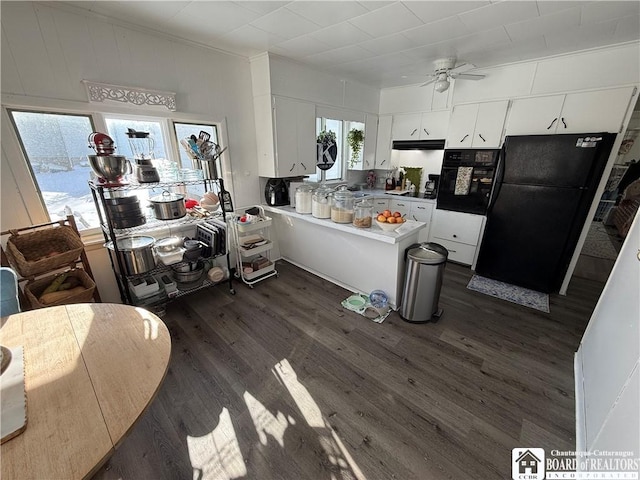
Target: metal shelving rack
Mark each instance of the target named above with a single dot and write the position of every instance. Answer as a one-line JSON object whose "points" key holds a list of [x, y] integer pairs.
{"points": [[111, 233], [243, 254]]}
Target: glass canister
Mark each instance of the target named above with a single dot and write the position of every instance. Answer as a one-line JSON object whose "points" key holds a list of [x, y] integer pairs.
{"points": [[342, 208], [303, 198], [321, 201], [362, 213]]}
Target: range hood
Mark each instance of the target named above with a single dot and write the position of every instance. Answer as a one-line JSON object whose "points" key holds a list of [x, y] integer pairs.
{"points": [[418, 144]]}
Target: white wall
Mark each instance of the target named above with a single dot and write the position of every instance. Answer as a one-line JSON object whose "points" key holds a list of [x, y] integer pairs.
{"points": [[48, 50]]}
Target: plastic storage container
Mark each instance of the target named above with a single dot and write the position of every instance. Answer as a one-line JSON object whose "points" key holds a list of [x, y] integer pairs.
{"points": [[321, 201], [303, 198], [342, 208], [362, 213], [425, 264]]}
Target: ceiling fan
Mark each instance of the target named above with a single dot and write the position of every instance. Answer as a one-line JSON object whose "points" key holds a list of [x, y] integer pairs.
{"points": [[445, 69]]}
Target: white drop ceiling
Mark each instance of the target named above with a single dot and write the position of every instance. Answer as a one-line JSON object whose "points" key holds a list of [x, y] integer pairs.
{"points": [[383, 43]]}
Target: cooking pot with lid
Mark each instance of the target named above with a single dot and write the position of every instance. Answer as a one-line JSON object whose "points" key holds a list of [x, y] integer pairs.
{"points": [[135, 253], [168, 206]]}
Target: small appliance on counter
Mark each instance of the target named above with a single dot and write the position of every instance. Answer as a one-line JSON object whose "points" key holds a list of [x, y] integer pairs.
{"points": [[142, 147], [276, 192], [109, 168], [431, 187]]}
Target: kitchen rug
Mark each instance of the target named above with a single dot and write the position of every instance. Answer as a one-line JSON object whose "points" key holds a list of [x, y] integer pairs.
{"points": [[511, 293], [362, 305], [598, 243]]}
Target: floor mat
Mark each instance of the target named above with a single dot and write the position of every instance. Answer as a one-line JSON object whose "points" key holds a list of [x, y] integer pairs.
{"points": [[598, 243], [362, 305], [511, 293]]}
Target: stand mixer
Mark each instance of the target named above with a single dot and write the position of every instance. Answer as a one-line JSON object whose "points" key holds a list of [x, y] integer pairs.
{"points": [[142, 147], [110, 169]]}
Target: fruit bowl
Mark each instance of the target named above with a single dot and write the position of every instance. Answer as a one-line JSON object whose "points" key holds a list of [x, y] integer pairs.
{"points": [[388, 227]]}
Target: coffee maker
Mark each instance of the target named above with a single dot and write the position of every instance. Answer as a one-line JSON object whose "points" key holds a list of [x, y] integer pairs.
{"points": [[276, 192], [431, 187], [142, 147]]}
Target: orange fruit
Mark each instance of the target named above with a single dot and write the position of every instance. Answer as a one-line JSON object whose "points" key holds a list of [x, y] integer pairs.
{"points": [[387, 213], [397, 214], [382, 218], [391, 220]]}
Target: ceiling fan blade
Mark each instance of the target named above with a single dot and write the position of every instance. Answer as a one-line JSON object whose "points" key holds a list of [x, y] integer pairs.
{"points": [[463, 67], [468, 76], [428, 82]]}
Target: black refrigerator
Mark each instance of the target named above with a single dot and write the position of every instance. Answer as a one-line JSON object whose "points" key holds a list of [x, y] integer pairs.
{"points": [[544, 187]]}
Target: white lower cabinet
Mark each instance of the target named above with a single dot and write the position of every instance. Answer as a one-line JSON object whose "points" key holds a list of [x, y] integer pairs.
{"points": [[380, 204], [458, 232], [422, 212]]}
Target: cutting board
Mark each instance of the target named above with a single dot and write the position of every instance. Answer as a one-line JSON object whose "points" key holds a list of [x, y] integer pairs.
{"points": [[13, 402]]}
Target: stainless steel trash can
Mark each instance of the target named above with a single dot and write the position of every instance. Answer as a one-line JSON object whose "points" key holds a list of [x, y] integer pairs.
{"points": [[425, 264]]}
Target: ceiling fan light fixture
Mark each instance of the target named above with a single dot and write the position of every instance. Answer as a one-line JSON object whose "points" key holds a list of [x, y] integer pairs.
{"points": [[442, 84]]}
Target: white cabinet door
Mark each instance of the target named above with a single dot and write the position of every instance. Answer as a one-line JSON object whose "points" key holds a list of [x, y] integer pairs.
{"points": [[534, 116], [462, 125], [383, 142], [406, 127], [591, 112], [294, 124], [489, 124], [380, 204], [434, 125], [402, 206], [421, 212]]}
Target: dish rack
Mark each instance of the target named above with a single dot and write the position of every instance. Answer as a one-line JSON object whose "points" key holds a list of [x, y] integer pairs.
{"points": [[252, 243]]}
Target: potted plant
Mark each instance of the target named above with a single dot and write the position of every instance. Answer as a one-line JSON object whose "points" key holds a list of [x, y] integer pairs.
{"points": [[327, 149], [355, 138]]}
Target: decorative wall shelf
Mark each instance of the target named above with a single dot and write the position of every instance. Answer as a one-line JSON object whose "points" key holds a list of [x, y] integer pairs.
{"points": [[103, 92]]}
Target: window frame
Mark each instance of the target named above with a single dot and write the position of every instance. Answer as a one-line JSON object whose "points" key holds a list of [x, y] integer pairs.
{"points": [[14, 157]]}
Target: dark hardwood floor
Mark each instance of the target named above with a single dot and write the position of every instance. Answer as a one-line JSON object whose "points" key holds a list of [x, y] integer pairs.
{"points": [[281, 382]]}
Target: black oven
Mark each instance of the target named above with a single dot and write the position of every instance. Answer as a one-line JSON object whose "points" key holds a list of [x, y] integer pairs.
{"points": [[466, 180]]}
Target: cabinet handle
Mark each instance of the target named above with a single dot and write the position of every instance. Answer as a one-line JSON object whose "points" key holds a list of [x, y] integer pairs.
{"points": [[414, 131], [455, 236], [482, 138], [421, 208], [425, 131], [551, 124], [464, 138], [303, 165], [292, 167], [414, 217], [563, 122], [383, 161]]}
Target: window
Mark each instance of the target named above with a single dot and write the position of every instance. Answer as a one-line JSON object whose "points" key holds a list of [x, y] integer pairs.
{"points": [[55, 146], [341, 128], [117, 128], [184, 130]]}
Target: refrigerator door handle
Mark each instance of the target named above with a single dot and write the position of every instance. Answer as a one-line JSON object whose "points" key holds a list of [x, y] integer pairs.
{"points": [[498, 178], [552, 122]]}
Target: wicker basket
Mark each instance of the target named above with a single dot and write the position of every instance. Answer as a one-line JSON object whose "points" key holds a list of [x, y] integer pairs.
{"points": [[34, 289], [41, 251]]}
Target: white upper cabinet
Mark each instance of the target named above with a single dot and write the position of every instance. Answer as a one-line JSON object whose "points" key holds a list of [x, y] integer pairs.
{"points": [[286, 136], [383, 142], [406, 126], [597, 111], [367, 161], [421, 126], [434, 125], [477, 125]]}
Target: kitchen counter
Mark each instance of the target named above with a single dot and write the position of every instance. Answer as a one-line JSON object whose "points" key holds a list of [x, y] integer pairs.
{"points": [[358, 259], [408, 229]]}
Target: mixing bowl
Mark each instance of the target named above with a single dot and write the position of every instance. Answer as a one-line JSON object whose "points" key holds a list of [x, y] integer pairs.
{"points": [[109, 167]]}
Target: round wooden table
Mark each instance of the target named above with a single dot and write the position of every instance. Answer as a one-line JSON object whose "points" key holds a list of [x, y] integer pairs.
{"points": [[90, 372]]}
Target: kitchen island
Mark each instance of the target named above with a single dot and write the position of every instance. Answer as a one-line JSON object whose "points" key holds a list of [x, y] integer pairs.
{"points": [[358, 259]]}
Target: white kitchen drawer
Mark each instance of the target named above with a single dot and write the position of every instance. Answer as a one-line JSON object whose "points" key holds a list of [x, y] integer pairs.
{"points": [[380, 204], [458, 252], [456, 226], [402, 206]]}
